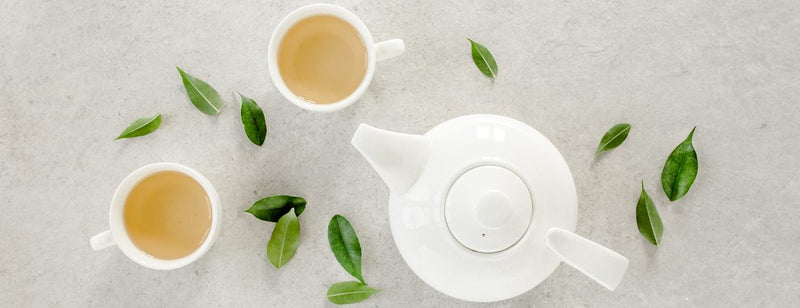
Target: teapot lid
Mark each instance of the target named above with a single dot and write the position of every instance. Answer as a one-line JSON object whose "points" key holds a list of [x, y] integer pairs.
{"points": [[488, 208], [473, 224]]}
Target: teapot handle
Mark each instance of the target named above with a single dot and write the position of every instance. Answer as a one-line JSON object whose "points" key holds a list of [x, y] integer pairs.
{"points": [[599, 263]]}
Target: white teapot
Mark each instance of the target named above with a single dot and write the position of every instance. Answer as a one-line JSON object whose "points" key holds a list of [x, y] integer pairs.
{"points": [[483, 207]]}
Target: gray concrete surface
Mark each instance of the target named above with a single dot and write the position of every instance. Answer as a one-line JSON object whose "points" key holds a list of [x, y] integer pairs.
{"points": [[73, 74]]}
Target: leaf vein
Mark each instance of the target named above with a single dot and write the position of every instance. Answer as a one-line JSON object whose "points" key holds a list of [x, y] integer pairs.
{"points": [[201, 94], [143, 125], [349, 293], [677, 177], [650, 221], [614, 137], [283, 243], [488, 66]]}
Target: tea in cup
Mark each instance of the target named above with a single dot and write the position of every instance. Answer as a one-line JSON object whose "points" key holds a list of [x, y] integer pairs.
{"points": [[163, 216], [322, 57]]}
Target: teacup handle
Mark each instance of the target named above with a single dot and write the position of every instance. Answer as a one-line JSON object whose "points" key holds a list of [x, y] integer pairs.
{"points": [[102, 240], [389, 49], [599, 263]]}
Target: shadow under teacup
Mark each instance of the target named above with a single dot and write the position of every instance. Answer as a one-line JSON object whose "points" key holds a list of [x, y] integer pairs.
{"points": [[325, 54], [163, 216]]}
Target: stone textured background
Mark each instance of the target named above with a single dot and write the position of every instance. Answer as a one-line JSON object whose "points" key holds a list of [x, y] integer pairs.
{"points": [[73, 74]]}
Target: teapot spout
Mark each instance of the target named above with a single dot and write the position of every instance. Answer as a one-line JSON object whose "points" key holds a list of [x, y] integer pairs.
{"points": [[398, 158]]}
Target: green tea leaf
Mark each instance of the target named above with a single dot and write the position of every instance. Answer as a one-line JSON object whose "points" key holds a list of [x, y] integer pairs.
{"points": [[483, 59], [284, 240], [202, 95], [349, 292], [274, 207], [613, 137], [345, 246], [680, 170], [255, 125], [647, 219], [141, 127]]}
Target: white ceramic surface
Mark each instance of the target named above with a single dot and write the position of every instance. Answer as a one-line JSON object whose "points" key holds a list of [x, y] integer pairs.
{"points": [[375, 52], [461, 202], [117, 235], [488, 208]]}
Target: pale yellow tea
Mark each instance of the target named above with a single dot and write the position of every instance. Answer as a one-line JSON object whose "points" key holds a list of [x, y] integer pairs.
{"points": [[167, 215], [322, 59]]}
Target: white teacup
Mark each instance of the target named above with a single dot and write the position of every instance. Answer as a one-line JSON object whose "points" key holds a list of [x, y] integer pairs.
{"points": [[375, 52], [118, 235]]}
